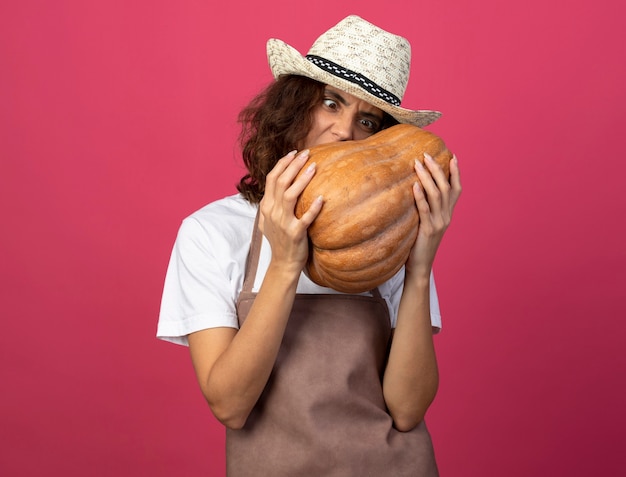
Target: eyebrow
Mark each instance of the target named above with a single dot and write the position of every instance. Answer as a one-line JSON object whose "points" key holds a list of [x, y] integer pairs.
{"points": [[340, 99], [337, 96]]}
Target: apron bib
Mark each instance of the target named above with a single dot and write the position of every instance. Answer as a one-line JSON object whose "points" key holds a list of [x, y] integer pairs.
{"points": [[322, 412]]}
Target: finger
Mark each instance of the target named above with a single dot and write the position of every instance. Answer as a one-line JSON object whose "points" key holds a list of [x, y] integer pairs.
{"points": [[277, 170], [286, 177], [428, 185], [455, 180], [450, 187], [312, 212], [301, 181], [423, 207], [436, 171]]}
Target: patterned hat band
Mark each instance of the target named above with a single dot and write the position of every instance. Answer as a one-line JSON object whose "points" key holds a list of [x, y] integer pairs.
{"points": [[353, 77]]}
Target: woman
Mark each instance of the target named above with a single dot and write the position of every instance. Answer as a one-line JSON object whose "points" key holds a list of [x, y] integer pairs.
{"points": [[309, 381]]}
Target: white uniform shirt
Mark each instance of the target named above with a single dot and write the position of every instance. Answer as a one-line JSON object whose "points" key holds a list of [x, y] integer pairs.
{"points": [[206, 271]]}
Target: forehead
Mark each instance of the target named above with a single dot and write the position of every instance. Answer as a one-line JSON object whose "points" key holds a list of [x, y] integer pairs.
{"points": [[349, 100]]}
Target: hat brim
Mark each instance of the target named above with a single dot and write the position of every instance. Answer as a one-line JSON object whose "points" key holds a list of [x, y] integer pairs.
{"points": [[285, 60]]}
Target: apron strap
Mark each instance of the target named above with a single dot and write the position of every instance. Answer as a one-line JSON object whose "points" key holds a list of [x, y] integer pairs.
{"points": [[376, 293], [252, 261]]}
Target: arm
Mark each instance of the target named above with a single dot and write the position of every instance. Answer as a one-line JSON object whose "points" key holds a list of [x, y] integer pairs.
{"points": [[411, 377], [233, 366]]}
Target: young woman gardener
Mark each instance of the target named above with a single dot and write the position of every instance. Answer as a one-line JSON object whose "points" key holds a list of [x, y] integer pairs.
{"points": [[307, 380]]}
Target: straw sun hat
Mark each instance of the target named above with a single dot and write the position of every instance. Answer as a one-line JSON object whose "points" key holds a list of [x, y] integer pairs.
{"points": [[360, 59]]}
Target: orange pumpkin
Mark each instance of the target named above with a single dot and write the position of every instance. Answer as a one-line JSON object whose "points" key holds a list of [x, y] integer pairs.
{"points": [[368, 223]]}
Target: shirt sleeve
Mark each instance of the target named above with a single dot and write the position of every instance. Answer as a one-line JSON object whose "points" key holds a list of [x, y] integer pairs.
{"points": [[197, 293], [396, 285], [435, 312]]}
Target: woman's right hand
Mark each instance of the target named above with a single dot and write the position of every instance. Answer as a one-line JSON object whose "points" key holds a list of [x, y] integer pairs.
{"points": [[233, 366], [286, 233]]}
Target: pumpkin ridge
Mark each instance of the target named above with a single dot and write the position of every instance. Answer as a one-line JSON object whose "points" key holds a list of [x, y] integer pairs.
{"points": [[368, 250], [358, 201], [356, 281], [372, 220]]}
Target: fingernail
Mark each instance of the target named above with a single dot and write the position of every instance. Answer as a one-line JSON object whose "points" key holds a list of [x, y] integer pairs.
{"points": [[311, 168], [428, 157], [419, 164], [304, 154]]}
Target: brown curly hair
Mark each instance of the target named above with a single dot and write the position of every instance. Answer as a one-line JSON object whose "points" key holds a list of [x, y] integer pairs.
{"points": [[275, 122]]}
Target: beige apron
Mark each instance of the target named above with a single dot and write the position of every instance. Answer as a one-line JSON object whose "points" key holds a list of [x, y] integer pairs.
{"points": [[322, 412]]}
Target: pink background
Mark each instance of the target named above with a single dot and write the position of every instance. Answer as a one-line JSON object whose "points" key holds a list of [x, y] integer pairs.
{"points": [[117, 119]]}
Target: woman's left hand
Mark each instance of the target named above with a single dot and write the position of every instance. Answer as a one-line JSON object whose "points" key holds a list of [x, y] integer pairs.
{"points": [[408, 389], [435, 198]]}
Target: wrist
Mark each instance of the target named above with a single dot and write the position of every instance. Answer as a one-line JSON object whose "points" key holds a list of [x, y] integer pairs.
{"points": [[417, 278], [281, 273]]}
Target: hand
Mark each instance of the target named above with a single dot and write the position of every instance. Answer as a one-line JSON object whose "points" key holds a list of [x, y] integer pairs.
{"points": [[435, 200], [286, 233]]}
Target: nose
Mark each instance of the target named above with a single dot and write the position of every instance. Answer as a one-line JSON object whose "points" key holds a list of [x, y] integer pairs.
{"points": [[342, 127]]}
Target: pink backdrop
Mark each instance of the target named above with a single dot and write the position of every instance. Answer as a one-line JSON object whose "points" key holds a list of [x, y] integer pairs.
{"points": [[118, 119]]}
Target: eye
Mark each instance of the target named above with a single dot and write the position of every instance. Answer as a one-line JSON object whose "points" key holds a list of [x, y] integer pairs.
{"points": [[369, 125], [330, 103]]}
